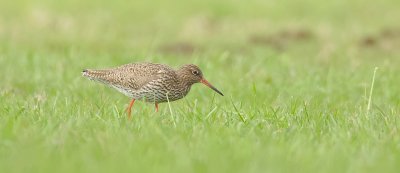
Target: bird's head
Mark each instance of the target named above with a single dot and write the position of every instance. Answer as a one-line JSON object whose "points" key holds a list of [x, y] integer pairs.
{"points": [[192, 74]]}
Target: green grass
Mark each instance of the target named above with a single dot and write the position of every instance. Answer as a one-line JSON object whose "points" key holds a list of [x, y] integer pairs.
{"points": [[291, 104]]}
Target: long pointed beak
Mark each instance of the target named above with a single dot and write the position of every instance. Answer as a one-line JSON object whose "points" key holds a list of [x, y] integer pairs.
{"points": [[205, 82]]}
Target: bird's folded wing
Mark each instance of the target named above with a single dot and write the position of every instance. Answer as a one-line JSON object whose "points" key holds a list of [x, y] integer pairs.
{"points": [[131, 76]]}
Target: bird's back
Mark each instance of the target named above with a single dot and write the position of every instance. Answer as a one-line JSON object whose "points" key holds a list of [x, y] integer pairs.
{"points": [[139, 80], [133, 76]]}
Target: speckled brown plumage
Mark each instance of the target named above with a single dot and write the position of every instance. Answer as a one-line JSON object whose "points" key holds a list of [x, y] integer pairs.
{"points": [[150, 82]]}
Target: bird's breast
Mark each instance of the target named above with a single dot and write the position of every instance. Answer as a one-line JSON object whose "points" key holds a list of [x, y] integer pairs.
{"points": [[160, 91]]}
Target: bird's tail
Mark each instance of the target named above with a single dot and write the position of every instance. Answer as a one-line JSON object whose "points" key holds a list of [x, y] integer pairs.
{"points": [[97, 75], [85, 72]]}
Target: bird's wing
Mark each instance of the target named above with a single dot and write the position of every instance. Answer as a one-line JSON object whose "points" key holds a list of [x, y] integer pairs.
{"points": [[130, 76]]}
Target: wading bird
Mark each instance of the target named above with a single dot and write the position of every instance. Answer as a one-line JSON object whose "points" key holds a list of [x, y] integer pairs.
{"points": [[149, 82]]}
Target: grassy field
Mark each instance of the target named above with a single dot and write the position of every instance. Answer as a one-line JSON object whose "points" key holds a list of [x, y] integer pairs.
{"points": [[296, 76]]}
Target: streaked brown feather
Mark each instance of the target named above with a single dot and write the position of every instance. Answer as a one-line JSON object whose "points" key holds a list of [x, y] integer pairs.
{"points": [[148, 81], [133, 76]]}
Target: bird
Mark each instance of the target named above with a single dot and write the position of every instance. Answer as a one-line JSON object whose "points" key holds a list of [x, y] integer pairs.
{"points": [[150, 82]]}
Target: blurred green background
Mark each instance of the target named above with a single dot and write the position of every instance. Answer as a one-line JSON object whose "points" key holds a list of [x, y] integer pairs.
{"points": [[296, 75]]}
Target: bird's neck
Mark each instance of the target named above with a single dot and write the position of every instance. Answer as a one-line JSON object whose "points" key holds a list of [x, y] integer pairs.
{"points": [[184, 80]]}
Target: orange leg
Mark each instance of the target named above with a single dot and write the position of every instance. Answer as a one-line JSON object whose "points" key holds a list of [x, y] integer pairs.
{"points": [[130, 108], [156, 107]]}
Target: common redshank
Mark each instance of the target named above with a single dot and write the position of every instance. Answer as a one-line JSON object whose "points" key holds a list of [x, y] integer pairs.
{"points": [[150, 82]]}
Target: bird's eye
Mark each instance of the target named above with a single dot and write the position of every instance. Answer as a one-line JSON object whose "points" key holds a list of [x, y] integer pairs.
{"points": [[195, 72]]}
